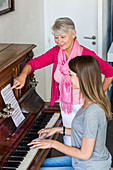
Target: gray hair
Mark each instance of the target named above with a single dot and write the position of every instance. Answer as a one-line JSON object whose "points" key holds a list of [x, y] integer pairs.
{"points": [[63, 25]]}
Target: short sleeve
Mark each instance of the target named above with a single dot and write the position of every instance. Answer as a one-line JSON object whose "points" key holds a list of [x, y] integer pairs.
{"points": [[91, 124]]}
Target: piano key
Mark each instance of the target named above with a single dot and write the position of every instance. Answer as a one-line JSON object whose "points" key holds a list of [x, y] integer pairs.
{"points": [[23, 143], [22, 149], [11, 164], [41, 123], [17, 153], [32, 132], [30, 138], [31, 153], [35, 127], [10, 168], [15, 159], [30, 135]]}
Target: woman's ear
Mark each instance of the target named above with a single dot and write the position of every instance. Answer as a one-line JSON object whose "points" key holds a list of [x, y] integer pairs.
{"points": [[74, 34]]}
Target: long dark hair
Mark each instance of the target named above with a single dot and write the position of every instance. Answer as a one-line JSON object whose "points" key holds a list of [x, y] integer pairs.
{"points": [[90, 81]]}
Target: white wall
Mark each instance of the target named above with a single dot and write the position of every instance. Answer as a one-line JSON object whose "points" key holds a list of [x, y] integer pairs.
{"points": [[26, 25]]}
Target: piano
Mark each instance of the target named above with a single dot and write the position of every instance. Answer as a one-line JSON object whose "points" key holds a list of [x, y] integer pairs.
{"points": [[14, 152]]}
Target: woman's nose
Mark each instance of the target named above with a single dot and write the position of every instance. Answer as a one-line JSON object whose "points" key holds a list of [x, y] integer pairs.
{"points": [[59, 40]]}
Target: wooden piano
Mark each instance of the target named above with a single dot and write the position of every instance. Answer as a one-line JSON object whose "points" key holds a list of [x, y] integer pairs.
{"points": [[14, 152]]}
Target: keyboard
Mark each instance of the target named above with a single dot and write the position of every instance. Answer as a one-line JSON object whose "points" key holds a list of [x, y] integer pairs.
{"points": [[23, 155]]}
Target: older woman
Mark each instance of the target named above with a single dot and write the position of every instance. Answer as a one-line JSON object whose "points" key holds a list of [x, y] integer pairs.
{"points": [[67, 48]]}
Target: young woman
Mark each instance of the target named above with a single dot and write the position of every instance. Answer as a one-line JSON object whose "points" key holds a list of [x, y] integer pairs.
{"points": [[88, 129], [67, 48]]}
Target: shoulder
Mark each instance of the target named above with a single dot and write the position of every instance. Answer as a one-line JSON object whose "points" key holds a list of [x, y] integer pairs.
{"points": [[87, 51], [55, 49], [94, 110], [52, 53]]}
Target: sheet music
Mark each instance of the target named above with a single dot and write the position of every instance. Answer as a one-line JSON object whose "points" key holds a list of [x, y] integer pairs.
{"points": [[9, 98]]}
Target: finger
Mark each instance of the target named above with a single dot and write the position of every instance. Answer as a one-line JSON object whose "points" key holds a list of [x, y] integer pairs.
{"points": [[42, 135], [46, 136], [39, 145], [15, 85], [33, 141], [42, 131], [19, 87]]}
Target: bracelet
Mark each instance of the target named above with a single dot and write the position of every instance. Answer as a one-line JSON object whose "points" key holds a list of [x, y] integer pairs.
{"points": [[63, 130]]}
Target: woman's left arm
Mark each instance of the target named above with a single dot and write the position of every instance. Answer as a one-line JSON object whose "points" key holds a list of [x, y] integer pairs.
{"points": [[106, 69], [107, 82], [84, 153]]}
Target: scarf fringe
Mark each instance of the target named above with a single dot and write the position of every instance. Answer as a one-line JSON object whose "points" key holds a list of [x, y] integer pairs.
{"points": [[67, 108]]}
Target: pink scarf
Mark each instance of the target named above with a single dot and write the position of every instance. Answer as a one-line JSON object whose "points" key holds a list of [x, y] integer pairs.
{"points": [[66, 86]]}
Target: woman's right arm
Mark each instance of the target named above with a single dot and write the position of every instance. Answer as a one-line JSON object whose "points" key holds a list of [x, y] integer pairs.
{"points": [[51, 131], [20, 80], [34, 64]]}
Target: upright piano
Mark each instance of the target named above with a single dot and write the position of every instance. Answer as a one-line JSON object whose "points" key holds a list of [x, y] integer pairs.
{"points": [[14, 152]]}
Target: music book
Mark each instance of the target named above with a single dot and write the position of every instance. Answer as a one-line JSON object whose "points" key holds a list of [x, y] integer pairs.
{"points": [[9, 98]]}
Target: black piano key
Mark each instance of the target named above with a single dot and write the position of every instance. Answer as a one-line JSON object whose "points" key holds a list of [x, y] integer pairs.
{"points": [[15, 159], [24, 143], [34, 130], [49, 114], [17, 153], [41, 123], [28, 139], [35, 127], [38, 124], [17, 163], [44, 119], [6, 168], [31, 135], [23, 148], [11, 164]]}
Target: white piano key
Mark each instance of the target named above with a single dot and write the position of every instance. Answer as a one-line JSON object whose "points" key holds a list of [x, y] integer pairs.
{"points": [[31, 153]]}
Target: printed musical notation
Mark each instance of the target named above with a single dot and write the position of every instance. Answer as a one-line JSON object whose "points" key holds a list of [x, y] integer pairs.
{"points": [[9, 98]]}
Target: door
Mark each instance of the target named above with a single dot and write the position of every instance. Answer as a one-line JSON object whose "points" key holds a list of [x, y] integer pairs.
{"points": [[87, 16], [84, 13]]}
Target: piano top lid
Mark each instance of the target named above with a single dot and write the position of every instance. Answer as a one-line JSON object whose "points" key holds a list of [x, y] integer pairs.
{"points": [[9, 53]]}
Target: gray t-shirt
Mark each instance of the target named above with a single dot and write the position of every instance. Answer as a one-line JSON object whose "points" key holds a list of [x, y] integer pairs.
{"points": [[90, 122]]}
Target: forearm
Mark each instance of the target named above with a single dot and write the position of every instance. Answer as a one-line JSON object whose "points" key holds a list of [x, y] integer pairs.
{"points": [[107, 82], [67, 131], [26, 70], [68, 150]]}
